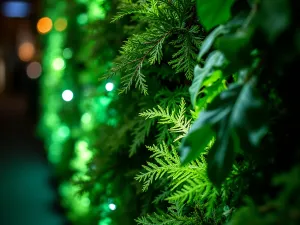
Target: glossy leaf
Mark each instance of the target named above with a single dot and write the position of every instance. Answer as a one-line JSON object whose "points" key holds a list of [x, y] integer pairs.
{"points": [[215, 59], [209, 40], [221, 158], [214, 12], [235, 46], [236, 117]]}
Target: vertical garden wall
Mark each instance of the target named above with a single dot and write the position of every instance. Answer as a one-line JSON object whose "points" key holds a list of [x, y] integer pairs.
{"points": [[173, 112]]}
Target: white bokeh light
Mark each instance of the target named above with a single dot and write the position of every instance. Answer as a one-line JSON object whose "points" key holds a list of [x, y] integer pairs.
{"points": [[112, 206], [67, 95], [109, 86]]}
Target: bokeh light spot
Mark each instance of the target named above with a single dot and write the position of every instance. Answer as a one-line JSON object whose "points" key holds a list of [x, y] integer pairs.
{"points": [[112, 206], [26, 51], [82, 19], [58, 63], [34, 70], [67, 95], [44, 25], [67, 53], [60, 24], [63, 132], [109, 86], [86, 118]]}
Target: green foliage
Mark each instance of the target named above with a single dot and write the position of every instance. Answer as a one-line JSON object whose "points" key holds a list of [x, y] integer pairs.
{"points": [[164, 20], [188, 184], [166, 162], [214, 60], [175, 216], [279, 11], [214, 12], [194, 135], [227, 116], [284, 209], [180, 122], [140, 132]]}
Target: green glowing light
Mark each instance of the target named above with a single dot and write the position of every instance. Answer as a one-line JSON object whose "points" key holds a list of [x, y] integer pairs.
{"points": [[82, 145], [83, 155], [79, 204], [51, 119], [109, 86], [106, 221], [67, 53], [104, 101], [83, 152], [86, 118], [85, 201], [67, 95], [58, 64], [112, 206], [63, 132], [82, 19], [96, 11]]}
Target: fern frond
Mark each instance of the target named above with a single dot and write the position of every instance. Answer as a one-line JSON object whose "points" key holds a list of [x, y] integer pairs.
{"points": [[173, 217], [165, 161], [164, 134], [189, 183], [137, 51], [163, 19], [166, 97], [128, 9], [181, 123], [184, 60], [140, 132], [162, 196]]}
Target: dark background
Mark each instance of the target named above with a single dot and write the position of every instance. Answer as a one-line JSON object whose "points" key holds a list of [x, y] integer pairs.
{"points": [[27, 186], [20, 95]]}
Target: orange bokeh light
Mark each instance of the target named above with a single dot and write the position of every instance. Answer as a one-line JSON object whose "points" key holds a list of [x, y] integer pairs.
{"points": [[26, 51], [60, 24], [44, 25]]}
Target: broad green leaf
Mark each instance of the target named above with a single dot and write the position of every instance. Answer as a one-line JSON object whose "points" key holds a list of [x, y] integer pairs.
{"points": [[209, 40], [215, 59], [237, 118], [200, 134], [199, 139], [214, 12], [220, 160], [211, 90], [248, 116], [274, 17], [235, 46], [212, 78]]}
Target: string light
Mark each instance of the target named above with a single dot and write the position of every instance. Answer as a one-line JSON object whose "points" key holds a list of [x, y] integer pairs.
{"points": [[112, 206], [67, 95], [44, 25], [109, 86]]}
